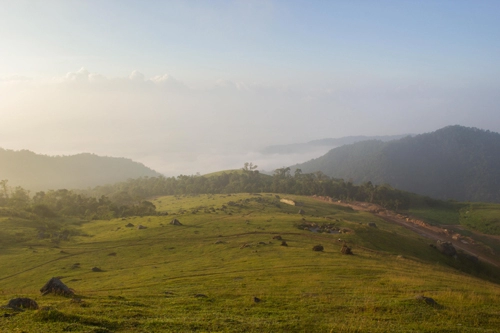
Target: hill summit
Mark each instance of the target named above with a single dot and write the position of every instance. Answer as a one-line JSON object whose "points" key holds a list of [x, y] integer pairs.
{"points": [[454, 162]]}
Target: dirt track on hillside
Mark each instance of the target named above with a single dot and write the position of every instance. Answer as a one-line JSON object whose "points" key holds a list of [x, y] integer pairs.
{"points": [[434, 233]]}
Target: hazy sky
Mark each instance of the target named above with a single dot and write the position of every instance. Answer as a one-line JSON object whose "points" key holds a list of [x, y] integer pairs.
{"points": [[199, 86]]}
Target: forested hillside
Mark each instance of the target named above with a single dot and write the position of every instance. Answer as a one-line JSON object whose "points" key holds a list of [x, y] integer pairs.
{"points": [[40, 172], [454, 162]]}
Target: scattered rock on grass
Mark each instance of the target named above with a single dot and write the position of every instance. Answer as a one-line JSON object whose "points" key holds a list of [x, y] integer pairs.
{"points": [[112, 254], [426, 300], [200, 296], [129, 225], [22, 303], [140, 226], [345, 249], [446, 248], [257, 300], [175, 222], [96, 269], [372, 224], [57, 287], [283, 243], [318, 248], [277, 237]]}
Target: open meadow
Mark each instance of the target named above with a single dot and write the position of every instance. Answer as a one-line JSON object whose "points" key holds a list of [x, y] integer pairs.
{"points": [[224, 270]]}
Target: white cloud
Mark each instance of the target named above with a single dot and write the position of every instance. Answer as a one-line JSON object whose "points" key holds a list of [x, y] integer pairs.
{"points": [[136, 76]]}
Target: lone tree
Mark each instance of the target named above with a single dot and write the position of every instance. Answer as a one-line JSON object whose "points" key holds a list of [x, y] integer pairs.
{"points": [[249, 166]]}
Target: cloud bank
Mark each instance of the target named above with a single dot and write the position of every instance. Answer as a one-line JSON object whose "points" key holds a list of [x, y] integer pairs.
{"points": [[178, 129]]}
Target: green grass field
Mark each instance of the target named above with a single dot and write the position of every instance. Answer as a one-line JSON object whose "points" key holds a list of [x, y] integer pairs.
{"points": [[169, 278]]}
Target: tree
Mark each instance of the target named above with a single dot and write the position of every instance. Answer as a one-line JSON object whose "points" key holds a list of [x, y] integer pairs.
{"points": [[249, 166]]}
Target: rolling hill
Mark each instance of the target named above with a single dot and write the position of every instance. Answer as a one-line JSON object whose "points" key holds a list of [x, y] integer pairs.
{"points": [[41, 172], [454, 162]]}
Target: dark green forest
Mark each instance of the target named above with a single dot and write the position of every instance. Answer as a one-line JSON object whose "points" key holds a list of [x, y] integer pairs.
{"points": [[454, 162], [129, 198]]}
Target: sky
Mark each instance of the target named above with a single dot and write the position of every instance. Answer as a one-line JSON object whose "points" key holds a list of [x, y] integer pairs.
{"points": [[201, 86]]}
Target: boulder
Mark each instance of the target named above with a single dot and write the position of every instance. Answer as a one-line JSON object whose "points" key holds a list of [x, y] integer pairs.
{"points": [[22, 303], [56, 286], [175, 222], [446, 248], [129, 225], [277, 237], [301, 212], [427, 300], [372, 224], [318, 248], [345, 249], [283, 243], [140, 226]]}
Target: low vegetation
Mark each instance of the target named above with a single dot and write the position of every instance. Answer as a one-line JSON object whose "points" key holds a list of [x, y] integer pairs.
{"points": [[222, 270]]}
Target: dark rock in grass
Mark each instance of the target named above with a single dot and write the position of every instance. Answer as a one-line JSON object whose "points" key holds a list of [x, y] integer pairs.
{"points": [[446, 248], [427, 300], [200, 296], [301, 212], [55, 286], [345, 249], [129, 225], [140, 226], [257, 300], [175, 222], [318, 248], [112, 254], [471, 257], [96, 269], [372, 224], [22, 303], [283, 243], [277, 237]]}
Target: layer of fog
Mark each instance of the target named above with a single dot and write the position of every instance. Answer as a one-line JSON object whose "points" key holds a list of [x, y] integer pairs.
{"points": [[177, 129]]}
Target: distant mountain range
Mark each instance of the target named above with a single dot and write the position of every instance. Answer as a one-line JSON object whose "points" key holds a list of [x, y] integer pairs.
{"points": [[454, 162], [41, 172], [297, 148]]}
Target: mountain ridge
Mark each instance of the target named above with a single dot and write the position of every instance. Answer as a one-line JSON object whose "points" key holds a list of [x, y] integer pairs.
{"points": [[37, 172], [454, 162]]}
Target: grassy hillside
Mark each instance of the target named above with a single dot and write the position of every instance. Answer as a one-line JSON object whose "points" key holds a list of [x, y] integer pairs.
{"points": [[169, 278]]}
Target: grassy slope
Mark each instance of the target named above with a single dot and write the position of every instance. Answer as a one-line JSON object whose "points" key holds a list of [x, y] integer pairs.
{"points": [[151, 282]]}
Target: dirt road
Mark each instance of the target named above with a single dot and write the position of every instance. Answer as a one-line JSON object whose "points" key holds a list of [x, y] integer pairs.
{"points": [[433, 233]]}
